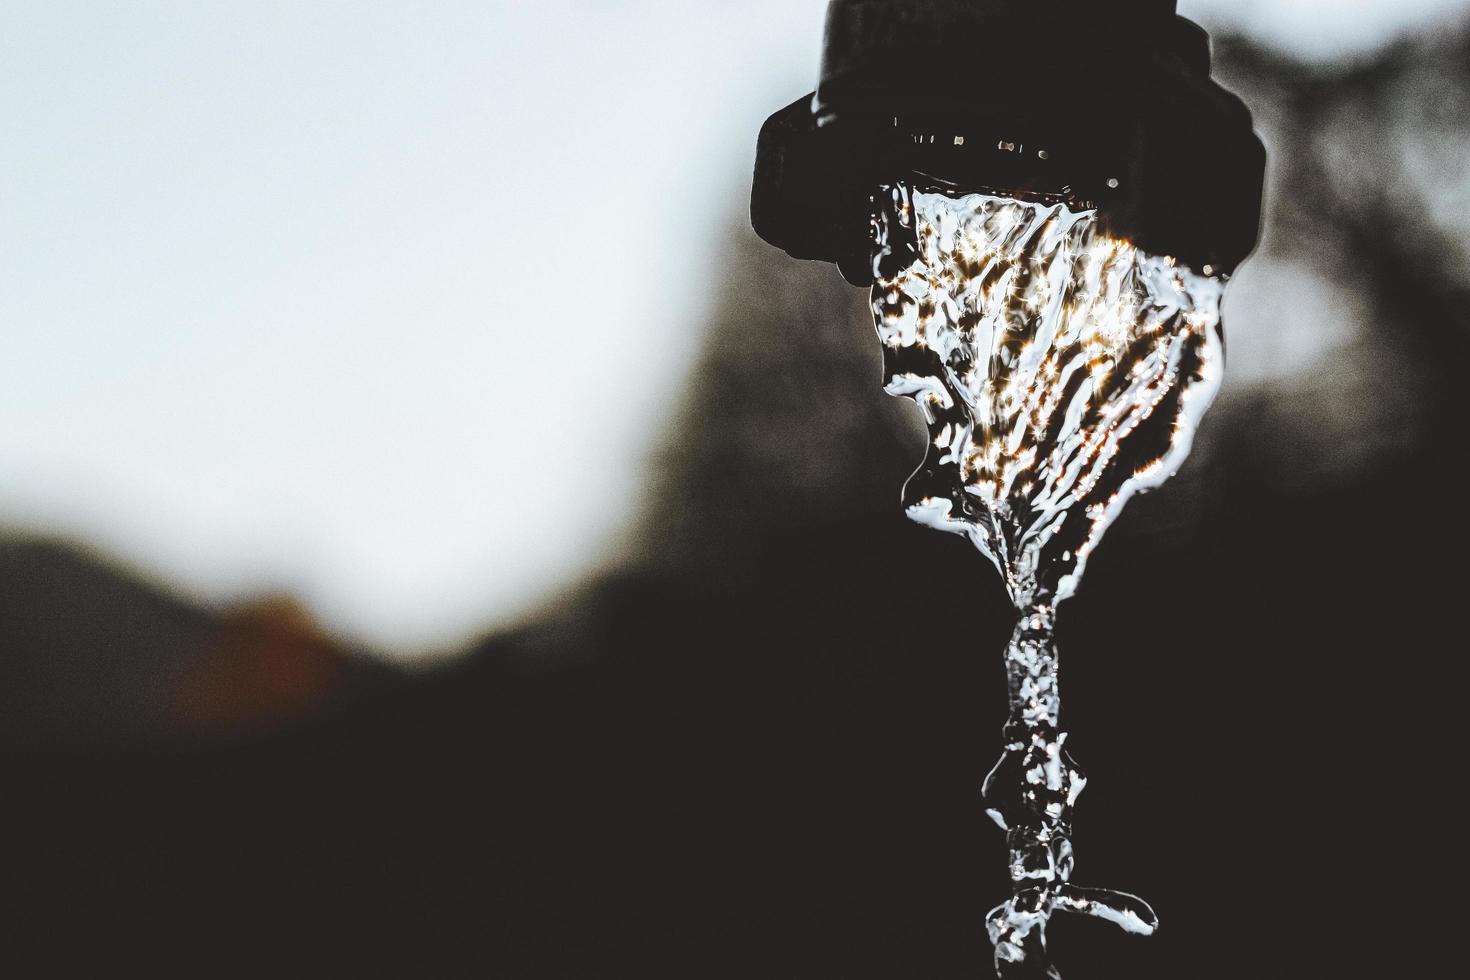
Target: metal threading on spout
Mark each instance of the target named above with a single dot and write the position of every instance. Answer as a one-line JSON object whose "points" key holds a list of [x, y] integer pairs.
{"points": [[1104, 105]]}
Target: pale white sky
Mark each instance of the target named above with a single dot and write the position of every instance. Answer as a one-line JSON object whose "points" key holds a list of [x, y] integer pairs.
{"points": [[1324, 28], [384, 302]]}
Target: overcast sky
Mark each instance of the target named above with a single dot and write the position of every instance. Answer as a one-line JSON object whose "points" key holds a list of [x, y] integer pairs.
{"points": [[384, 303]]}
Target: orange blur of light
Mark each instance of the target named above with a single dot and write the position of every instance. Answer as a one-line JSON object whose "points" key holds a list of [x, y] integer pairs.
{"points": [[269, 667]]}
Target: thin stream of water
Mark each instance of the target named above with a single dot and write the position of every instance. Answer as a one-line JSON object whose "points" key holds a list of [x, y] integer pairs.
{"points": [[1060, 371]]}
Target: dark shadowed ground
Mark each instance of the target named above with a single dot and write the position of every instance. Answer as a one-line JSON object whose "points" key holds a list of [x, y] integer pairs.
{"points": [[755, 749]]}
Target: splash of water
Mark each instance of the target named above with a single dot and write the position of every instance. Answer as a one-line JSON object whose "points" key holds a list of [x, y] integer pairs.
{"points": [[1060, 371]]}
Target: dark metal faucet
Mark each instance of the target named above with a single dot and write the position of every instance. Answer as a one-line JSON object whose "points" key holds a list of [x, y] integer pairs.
{"points": [[1102, 104]]}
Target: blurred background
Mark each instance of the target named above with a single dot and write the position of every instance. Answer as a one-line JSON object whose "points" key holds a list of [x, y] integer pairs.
{"points": [[436, 536]]}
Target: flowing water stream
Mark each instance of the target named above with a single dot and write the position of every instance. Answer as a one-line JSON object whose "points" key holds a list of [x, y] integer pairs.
{"points": [[1060, 371]]}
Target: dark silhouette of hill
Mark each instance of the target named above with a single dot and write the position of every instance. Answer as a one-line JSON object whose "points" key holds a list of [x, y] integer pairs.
{"points": [[87, 650], [92, 653]]}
